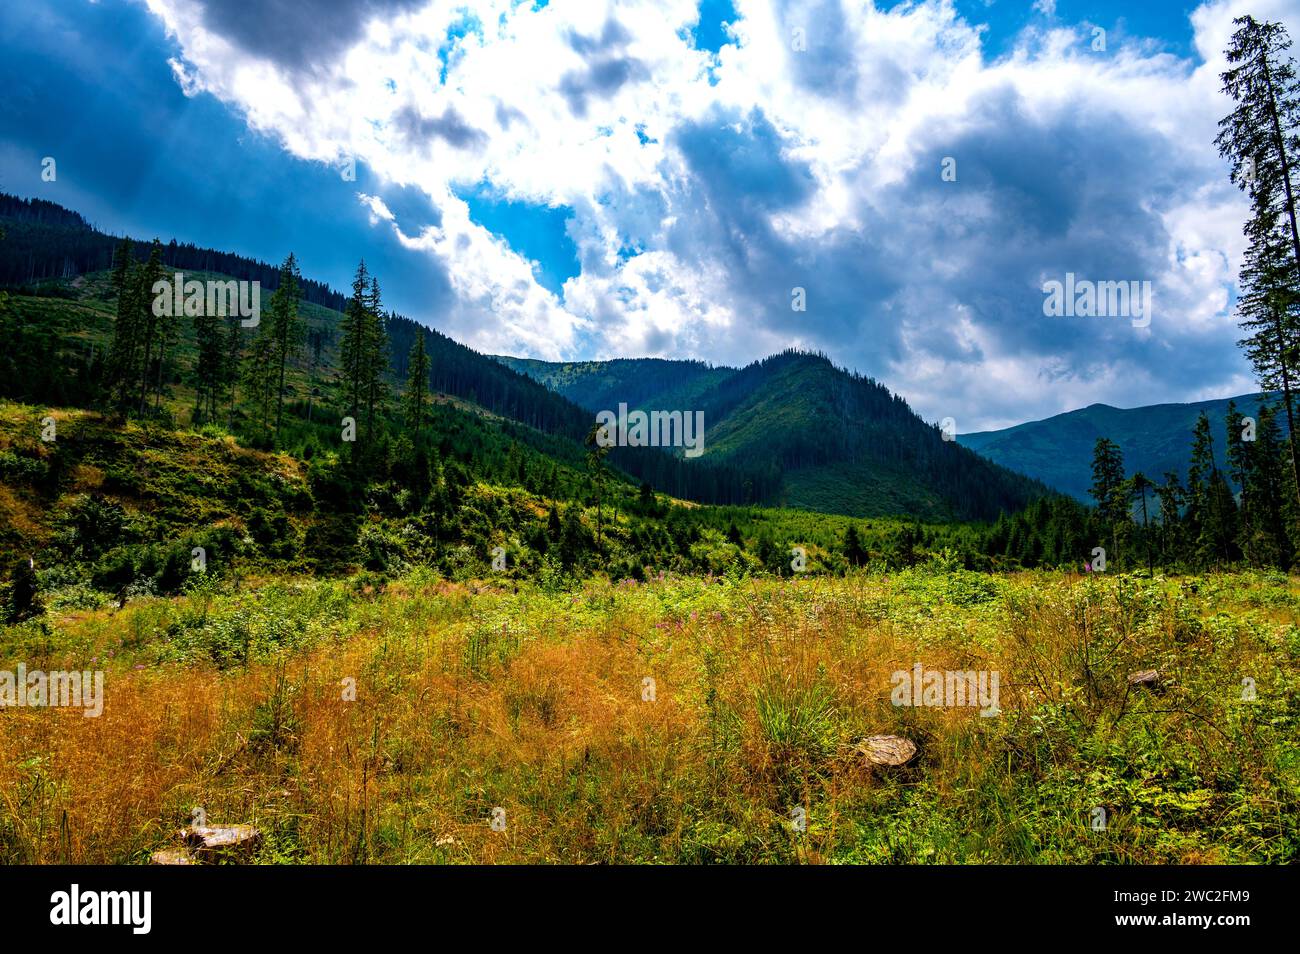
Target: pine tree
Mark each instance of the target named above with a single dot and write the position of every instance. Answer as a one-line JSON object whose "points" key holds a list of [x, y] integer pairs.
{"points": [[286, 329], [854, 551], [1140, 485], [1108, 488], [208, 368], [376, 352], [123, 351], [1264, 537], [416, 398], [1259, 138], [1269, 310], [352, 347], [151, 324], [230, 366], [259, 374], [364, 349], [122, 258], [1211, 509], [1238, 467], [596, 467], [1172, 501]]}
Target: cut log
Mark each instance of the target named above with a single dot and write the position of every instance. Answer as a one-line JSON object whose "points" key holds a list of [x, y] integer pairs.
{"points": [[889, 750], [171, 856], [1146, 679], [227, 843]]}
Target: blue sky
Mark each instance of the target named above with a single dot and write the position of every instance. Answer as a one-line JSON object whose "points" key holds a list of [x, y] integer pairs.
{"points": [[579, 180]]}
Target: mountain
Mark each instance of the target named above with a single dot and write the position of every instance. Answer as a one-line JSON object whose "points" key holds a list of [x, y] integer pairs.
{"points": [[792, 429], [824, 438], [1155, 440], [596, 385], [55, 263]]}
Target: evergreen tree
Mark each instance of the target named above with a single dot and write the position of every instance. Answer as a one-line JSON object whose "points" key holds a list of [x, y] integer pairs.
{"points": [[1172, 501], [22, 601], [1264, 537], [376, 354], [596, 468], [123, 352], [286, 329], [1139, 485], [1238, 463], [1259, 138], [416, 399], [1109, 490], [363, 351], [122, 259], [259, 374], [208, 368], [354, 331], [230, 366], [151, 323], [1211, 510], [854, 551]]}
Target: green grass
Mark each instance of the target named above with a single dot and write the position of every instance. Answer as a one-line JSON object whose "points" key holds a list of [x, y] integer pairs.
{"points": [[473, 697]]}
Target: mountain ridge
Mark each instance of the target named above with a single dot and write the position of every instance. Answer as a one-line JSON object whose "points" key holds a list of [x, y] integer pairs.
{"points": [[791, 429], [1155, 439]]}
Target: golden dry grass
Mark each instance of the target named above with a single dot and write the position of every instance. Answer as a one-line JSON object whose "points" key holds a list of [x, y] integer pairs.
{"points": [[533, 703]]}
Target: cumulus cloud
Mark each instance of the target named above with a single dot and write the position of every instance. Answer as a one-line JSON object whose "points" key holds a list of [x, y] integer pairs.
{"points": [[806, 153]]}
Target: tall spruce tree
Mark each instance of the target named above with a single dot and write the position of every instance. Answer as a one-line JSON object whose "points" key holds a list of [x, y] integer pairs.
{"points": [[1172, 499], [1265, 540], [376, 354], [210, 344], [1140, 485], [259, 374], [124, 349], [153, 324], [1108, 489], [1259, 139], [355, 333], [1239, 462], [1212, 511], [416, 398], [286, 330]]}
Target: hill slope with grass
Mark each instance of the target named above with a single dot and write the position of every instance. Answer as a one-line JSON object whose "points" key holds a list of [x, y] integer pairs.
{"points": [[790, 430], [823, 438]]}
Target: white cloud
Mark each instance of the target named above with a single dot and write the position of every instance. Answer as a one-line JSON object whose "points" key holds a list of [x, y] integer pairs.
{"points": [[544, 106]]}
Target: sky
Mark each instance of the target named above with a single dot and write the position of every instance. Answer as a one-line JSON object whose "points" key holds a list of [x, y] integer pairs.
{"points": [[672, 178]]}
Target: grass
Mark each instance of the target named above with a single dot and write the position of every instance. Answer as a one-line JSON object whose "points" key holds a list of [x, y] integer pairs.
{"points": [[354, 725]]}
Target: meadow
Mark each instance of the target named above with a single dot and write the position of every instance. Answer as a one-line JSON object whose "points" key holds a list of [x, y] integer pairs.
{"points": [[684, 719]]}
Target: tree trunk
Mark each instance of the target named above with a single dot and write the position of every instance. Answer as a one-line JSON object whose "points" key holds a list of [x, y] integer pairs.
{"points": [[279, 400]]}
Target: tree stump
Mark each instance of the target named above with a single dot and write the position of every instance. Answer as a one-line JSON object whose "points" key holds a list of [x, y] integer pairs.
{"points": [[1146, 679], [171, 856], [228, 843], [887, 750]]}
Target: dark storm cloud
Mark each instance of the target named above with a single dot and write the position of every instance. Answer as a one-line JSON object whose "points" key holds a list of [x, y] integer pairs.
{"points": [[1033, 200], [1032, 203]]}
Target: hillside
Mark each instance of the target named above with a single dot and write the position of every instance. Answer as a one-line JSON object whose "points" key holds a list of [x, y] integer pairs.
{"points": [[824, 438], [792, 430], [1155, 440]]}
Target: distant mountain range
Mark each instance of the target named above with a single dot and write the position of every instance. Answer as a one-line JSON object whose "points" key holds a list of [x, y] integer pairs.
{"points": [[1155, 440], [792, 429]]}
